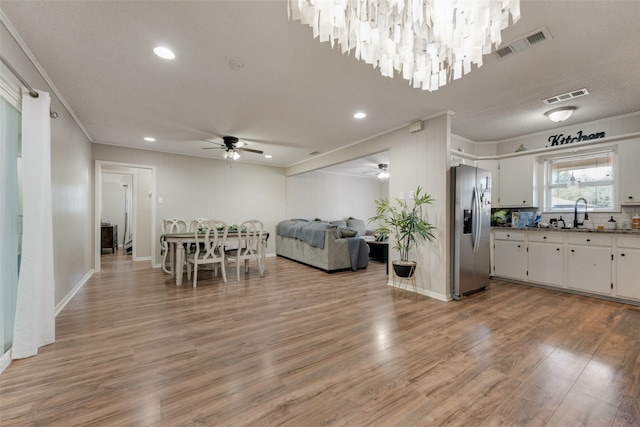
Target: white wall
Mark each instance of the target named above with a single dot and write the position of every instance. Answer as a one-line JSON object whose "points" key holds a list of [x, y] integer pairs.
{"points": [[195, 187], [141, 227], [71, 181], [424, 159], [331, 196]]}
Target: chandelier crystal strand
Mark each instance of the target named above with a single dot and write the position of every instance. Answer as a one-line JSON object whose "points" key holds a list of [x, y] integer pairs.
{"points": [[429, 42]]}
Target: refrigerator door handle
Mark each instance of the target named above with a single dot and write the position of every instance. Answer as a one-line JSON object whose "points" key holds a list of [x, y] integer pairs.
{"points": [[476, 219]]}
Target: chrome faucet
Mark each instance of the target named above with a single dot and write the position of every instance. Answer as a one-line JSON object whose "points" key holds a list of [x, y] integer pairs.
{"points": [[575, 213]]}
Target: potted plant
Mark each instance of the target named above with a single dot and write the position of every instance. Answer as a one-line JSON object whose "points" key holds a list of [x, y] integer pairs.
{"points": [[407, 225]]}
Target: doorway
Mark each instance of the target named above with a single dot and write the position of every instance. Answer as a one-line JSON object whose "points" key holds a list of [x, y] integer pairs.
{"points": [[124, 201]]}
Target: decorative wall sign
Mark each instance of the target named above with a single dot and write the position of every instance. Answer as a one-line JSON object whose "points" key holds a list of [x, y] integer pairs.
{"points": [[570, 139]]}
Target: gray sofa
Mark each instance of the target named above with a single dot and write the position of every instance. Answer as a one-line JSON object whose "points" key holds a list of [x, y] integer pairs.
{"points": [[328, 245]]}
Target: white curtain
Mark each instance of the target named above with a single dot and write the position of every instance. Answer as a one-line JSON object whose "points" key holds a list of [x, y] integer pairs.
{"points": [[35, 308]]}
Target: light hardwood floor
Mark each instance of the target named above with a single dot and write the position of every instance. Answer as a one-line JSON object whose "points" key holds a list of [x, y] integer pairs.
{"points": [[300, 347]]}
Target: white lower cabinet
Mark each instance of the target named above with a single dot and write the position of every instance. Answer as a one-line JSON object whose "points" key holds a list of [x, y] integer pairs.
{"points": [[589, 269], [589, 263], [597, 263], [509, 255], [627, 258], [545, 262]]}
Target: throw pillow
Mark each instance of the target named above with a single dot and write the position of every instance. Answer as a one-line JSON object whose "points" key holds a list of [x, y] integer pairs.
{"points": [[347, 232], [358, 225], [340, 223]]}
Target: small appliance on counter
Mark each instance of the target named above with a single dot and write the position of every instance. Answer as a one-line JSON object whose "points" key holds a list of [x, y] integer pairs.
{"points": [[521, 219]]}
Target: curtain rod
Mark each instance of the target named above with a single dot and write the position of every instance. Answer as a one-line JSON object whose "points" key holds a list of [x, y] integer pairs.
{"points": [[31, 90]]}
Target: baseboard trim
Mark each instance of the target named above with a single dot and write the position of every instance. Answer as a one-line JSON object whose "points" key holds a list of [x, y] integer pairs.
{"points": [[62, 304], [5, 361], [427, 293]]}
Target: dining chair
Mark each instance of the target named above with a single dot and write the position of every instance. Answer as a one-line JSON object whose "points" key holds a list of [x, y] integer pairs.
{"points": [[209, 249], [197, 224], [170, 226], [249, 245]]}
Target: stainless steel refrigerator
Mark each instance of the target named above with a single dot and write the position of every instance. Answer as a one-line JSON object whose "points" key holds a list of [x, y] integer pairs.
{"points": [[471, 221]]}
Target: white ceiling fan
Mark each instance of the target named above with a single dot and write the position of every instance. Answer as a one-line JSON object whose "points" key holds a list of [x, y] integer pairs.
{"points": [[382, 171]]}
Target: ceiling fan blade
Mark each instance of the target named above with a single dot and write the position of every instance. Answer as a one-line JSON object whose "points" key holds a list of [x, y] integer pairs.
{"points": [[250, 150], [219, 145]]}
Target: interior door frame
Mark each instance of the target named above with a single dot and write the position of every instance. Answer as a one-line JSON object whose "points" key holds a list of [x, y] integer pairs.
{"points": [[103, 166]]}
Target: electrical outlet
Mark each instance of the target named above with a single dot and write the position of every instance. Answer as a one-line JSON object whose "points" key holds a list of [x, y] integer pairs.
{"points": [[411, 195], [160, 200], [401, 195]]}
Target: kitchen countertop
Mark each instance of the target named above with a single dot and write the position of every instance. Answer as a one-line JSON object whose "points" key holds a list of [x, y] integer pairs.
{"points": [[572, 230]]}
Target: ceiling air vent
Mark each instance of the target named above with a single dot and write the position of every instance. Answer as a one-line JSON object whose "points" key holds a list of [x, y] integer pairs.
{"points": [[536, 38], [523, 43], [566, 96], [505, 51]]}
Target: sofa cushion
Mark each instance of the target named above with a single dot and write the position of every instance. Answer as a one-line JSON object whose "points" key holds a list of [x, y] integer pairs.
{"points": [[335, 232], [340, 223], [347, 232], [358, 225]]}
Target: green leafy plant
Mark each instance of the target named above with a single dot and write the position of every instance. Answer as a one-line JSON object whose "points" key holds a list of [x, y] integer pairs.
{"points": [[407, 225]]}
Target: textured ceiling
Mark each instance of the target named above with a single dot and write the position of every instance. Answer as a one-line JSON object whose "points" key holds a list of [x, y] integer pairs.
{"points": [[296, 95]]}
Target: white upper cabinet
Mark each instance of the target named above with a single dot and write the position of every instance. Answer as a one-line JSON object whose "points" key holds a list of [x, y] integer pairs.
{"points": [[517, 178], [492, 166], [629, 175]]}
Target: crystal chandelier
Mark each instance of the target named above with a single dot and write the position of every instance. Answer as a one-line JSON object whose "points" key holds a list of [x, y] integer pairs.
{"points": [[429, 41]]}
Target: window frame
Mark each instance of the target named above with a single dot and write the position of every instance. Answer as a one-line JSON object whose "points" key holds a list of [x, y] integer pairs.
{"points": [[547, 187]]}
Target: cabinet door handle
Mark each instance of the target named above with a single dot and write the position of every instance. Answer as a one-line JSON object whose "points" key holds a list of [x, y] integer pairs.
{"points": [[518, 245], [621, 254], [573, 250], [588, 240], [630, 197], [544, 237], [557, 249]]}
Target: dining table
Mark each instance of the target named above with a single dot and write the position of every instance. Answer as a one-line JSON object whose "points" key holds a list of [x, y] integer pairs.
{"points": [[178, 242]]}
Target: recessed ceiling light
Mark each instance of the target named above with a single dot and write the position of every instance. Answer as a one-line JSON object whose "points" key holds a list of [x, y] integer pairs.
{"points": [[235, 65], [268, 156], [164, 52], [359, 115], [150, 139]]}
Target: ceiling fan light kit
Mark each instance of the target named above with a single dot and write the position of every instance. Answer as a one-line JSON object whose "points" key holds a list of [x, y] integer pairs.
{"points": [[384, 172], [231, 154], [429, 42]]}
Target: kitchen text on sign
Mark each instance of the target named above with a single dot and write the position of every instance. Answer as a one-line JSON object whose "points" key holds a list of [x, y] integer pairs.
{"points": [[569, 139]]}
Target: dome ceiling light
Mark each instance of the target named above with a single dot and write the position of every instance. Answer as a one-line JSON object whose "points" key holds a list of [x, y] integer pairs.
{"points": [[560, 114]]}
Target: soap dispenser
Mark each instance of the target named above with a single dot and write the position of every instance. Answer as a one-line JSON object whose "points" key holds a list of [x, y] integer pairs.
{"points": [[611, 224]]}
